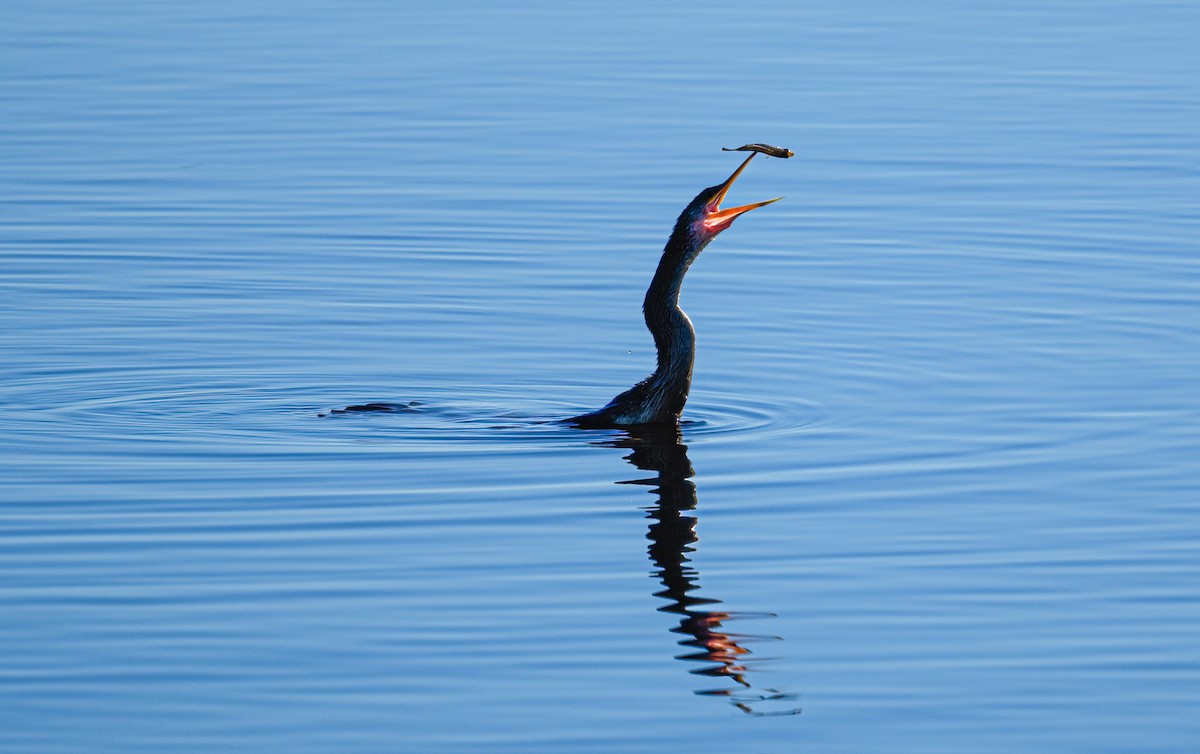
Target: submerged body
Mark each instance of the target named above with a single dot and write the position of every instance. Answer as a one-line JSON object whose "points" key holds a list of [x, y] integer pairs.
{"points": [[660, 398]]}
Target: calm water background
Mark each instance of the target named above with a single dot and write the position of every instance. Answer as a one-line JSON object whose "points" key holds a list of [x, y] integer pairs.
{"points": [[945, 425]]}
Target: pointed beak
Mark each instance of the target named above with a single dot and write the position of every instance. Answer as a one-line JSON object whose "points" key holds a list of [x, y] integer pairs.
{"points": [[719, 219]]}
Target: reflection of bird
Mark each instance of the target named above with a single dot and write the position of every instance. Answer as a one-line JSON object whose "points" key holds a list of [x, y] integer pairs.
{"points": [[660, 397], [672, 535]]}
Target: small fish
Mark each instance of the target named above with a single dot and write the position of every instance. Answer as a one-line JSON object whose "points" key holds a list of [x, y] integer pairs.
{"points": [[766, 149]]}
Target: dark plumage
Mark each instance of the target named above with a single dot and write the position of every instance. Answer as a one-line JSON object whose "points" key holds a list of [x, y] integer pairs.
{"points": [[660, 398]]}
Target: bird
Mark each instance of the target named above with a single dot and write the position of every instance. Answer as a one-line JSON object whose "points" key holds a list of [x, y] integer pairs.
{"points": [[659, 399]]}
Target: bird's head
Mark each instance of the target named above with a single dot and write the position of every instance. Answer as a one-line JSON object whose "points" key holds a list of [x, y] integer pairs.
{"points": [[704, 216]]}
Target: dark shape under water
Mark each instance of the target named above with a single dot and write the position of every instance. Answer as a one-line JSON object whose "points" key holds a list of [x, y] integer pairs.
{"points": [[659, 399], [386, 408]]}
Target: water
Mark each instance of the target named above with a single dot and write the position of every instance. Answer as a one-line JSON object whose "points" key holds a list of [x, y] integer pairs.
{"points": [[938, 488]]}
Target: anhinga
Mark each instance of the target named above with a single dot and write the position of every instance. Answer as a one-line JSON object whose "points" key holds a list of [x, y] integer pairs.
{"points": [[659, 398]]}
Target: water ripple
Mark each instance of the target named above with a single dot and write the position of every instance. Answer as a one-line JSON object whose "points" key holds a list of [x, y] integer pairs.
{"points": [[159, 406]]}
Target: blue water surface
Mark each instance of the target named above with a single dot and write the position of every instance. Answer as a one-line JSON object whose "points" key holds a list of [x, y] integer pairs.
{"points": [[936, 491]]}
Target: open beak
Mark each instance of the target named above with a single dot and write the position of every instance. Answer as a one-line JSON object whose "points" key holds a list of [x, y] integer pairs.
{"points": [[718, 219]]}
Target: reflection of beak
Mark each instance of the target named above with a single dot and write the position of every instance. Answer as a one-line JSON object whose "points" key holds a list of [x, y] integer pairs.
{"points": [[719, 219]]}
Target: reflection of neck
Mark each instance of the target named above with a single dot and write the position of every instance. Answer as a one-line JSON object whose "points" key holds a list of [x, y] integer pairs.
{"points": [[671, 536]]}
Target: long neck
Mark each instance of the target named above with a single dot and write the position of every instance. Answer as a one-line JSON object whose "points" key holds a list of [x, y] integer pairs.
{"points": [[674, 337]]}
